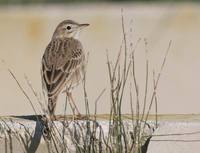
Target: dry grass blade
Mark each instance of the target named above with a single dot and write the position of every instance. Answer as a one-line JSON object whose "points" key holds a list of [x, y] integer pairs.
{"points": [[35, 94], [125, 41], [96, 101], [156, 100], [163, 63], [158, 78], [136, 88], [23, 91], [146, 81]]}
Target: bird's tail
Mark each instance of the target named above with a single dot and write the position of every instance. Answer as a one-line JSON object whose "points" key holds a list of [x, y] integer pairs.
{"points": [[52, 105]]}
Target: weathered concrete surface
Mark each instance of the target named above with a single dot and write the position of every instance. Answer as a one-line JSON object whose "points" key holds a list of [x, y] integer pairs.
{"points": [[175, 134], [19, 135], [176, 137]]}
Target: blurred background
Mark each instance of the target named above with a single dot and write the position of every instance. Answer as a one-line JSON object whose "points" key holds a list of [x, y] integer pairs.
{"points": [[26, 27]]}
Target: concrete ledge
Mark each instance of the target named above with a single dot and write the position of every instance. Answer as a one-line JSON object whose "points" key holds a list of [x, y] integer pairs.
{"points": [[175, 133], [25, 134], [176, 137]]}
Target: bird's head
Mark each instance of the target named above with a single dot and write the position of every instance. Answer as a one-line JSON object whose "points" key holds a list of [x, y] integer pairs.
{"points": [[68, 29]]}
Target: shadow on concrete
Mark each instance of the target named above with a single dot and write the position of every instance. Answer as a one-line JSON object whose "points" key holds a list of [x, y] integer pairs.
{"points": [[36, 138], [35, 141], [30, 117]]}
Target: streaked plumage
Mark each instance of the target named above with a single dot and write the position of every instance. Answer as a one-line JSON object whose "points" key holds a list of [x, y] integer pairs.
{"points": [[62, 63]]}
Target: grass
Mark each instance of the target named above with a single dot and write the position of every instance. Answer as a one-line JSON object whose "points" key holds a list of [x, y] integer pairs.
{"points": [[87, 134]]}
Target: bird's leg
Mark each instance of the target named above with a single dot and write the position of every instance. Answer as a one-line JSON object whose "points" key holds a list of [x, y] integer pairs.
{"points": [[52, 117], [68, 99], [73, 102]]}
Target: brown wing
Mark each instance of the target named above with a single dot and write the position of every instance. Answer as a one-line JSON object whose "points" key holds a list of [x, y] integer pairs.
{"points": [[60, 60]]}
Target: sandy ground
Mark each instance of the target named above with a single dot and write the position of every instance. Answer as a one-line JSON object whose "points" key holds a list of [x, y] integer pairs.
{"points": [[26, 30]]}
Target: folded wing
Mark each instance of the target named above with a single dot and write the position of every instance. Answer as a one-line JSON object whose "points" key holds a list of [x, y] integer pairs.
{"points": [[61, 59]]}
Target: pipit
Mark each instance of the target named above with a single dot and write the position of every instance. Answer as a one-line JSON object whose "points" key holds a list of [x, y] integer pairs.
{"points": [[63, 63]]}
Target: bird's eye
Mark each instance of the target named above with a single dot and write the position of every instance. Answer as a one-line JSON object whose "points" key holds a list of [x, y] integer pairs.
{"points": [[69, 27]]}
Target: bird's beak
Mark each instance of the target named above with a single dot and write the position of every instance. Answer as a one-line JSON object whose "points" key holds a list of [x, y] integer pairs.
{"points": [[84, 25]]}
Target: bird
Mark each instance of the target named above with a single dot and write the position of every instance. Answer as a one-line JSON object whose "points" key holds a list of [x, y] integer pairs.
{"points": [[63, 63]]}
